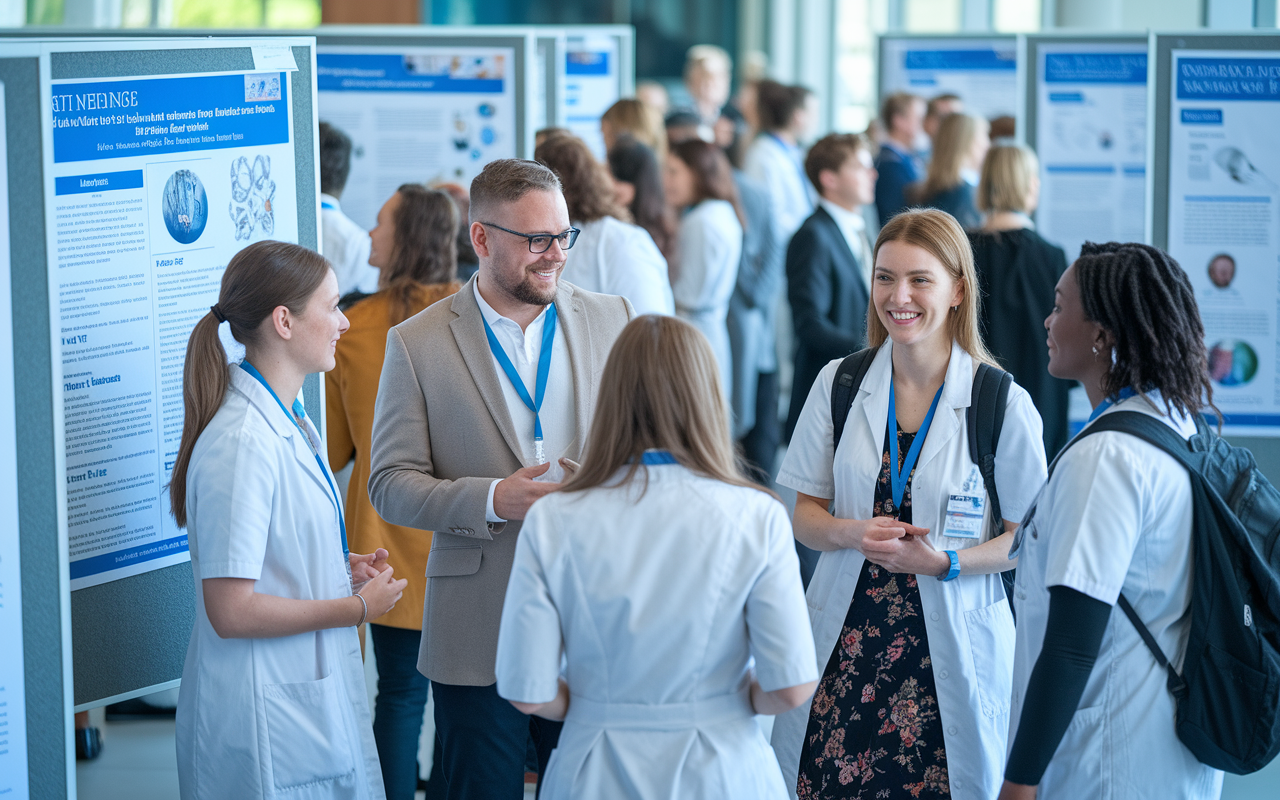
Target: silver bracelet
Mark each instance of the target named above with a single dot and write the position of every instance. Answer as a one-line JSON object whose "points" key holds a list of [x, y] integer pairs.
{"points": [[364, 614]]}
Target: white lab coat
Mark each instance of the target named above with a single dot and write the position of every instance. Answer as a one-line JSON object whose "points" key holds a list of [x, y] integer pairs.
{"points": [[616, 257], [347, 246], [269, 718], [968, 621], [1115, 516], [782, 170], [710, 249], [658, 604]]}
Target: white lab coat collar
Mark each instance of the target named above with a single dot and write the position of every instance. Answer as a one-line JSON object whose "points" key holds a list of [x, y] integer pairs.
{"points": [[331, 200], [956, 393]]}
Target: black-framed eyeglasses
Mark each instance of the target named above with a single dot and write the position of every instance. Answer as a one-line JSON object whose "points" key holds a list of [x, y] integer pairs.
{"points": [[541, 242]]}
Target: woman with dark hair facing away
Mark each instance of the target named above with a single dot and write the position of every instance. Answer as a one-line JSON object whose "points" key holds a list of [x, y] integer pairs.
{"points": [[909, 614], [273, 694], [658, 572], [958, 152], [413, 249], [611, 255], [637, 185], [1017, 271], [1093, 715], [699, 185]]}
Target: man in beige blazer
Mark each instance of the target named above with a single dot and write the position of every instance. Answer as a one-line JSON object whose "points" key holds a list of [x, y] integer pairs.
{"points": [[455, 450]]}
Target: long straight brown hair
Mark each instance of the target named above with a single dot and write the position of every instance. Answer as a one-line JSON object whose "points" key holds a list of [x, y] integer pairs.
{"points": [[258, 279], [660, 389], [712, 174], [424, 250]]}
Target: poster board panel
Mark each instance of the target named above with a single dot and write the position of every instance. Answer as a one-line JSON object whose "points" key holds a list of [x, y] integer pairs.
{"points": [[982, 70]]}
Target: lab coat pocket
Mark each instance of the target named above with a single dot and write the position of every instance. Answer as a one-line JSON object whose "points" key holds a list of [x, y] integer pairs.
{"points": [[454, 561], [306, 732], [1080, 766], [991, 637]]}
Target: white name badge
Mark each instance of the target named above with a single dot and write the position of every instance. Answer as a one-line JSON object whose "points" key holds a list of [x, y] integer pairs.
{"points": [[965, 509]]}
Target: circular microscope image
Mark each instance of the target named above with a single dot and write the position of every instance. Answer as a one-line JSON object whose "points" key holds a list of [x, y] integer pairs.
{"points": [[185, 206], [1232, 363]]}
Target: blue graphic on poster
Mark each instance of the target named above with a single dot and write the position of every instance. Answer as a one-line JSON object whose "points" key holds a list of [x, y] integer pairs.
{"points": [[185, 206]]}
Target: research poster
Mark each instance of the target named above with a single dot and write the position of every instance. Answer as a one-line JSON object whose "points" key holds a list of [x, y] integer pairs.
{"points": [[983, 72], [1224, 171], [425, 115], [14, 781], [1091, 136], [152, 185], [592, 83]]}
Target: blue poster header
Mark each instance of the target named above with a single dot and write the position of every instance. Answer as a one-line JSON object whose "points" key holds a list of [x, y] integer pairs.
{"points": [[117, 119], [1095, 68], [1201, 116], [1229, 79], [102, 182], [961, 60], [586, 62], [373, 72]]}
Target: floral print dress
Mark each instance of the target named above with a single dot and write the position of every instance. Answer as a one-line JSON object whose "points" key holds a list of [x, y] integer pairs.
{"points": [[874, 728]]}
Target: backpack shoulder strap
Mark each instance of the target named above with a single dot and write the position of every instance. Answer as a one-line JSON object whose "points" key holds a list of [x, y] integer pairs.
{"points": [[984, 419], [848, 378]]}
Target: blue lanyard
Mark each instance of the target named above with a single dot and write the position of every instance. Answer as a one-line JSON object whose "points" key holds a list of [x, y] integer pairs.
{"points": [[655, 457], [534, 404], [793, 153], [1124, 394], [328, 205], [299, 411], [898, 477]]}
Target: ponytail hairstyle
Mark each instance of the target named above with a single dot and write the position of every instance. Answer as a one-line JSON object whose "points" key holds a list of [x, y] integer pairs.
{"points": [[259, 279], [1142, 297]]}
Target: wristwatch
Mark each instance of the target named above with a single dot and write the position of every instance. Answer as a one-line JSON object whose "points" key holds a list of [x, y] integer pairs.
{"points": [[954, 572]]}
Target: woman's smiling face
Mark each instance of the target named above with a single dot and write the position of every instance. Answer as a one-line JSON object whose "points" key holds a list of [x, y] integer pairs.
{"points": [[913, 293]]}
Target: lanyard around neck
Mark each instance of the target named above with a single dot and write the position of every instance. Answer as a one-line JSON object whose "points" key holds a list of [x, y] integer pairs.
{"points": [[534, 403], [656, 457], [898, 477], [298, 413], [1124, 394]]}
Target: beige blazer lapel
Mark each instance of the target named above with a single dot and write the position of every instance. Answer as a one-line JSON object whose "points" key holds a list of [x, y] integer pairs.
{"points": [[468, 332], [577, 337]]}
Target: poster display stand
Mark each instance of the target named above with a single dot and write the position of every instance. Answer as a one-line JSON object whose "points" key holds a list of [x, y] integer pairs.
{"points": [[982, 70]]}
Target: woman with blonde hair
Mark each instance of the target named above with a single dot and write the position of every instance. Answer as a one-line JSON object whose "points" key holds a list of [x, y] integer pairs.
{"points": [[414, 249], [631, 117], [909, 615], [958, 152], [658, 572], [1017, 271]]}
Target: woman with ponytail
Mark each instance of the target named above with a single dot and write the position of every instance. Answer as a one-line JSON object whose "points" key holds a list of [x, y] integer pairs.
{"points": [[273, 699]]}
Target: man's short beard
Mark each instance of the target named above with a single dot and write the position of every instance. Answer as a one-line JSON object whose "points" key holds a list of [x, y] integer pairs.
{"points": [[526, 292]]}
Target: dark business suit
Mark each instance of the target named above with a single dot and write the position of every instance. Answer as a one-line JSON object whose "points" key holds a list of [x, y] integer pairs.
{"points": [[896, 169], [828, 303]]}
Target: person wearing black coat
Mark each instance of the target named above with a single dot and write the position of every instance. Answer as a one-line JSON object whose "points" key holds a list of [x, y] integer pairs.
{"points": [[1017, 272], [829, 263]]}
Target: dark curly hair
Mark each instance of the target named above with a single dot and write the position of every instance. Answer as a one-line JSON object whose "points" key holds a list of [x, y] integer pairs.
{"points": [[1143, 299]]}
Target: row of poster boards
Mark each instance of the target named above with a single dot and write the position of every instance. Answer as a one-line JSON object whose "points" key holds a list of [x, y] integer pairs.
{"points": [[1162, 138]]}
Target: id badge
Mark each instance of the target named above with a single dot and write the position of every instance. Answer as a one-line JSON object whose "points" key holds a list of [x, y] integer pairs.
{"points": [[965, 509]]}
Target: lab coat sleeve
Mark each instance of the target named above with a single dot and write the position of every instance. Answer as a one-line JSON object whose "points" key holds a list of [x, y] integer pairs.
{"points": [[235, 484], [640, 272], [809, 465], [529, 638], [777, 617], [1020, 459], [1097, 517], [689, 289], [402, 484]]}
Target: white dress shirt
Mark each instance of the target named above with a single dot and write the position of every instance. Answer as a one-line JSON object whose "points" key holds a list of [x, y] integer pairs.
{"points": [[346, 245], [524, 348], [854, 228]]}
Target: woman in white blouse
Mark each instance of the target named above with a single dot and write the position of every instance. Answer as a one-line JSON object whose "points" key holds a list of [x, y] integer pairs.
{"points": [[657, 574], [700, 187], [611, 255], [912, 626]]}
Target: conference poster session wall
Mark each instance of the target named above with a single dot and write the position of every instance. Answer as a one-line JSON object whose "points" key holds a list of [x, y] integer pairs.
{"points": [[1216, 207], [599, 70], [1085, 115], [982, 70]]}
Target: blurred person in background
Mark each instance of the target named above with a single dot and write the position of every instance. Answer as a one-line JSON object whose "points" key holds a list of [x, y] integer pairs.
{"points": [[897, 164], [958, 153], [630, 117], [345, 243], [699, 186], [708, 74], [637, 185], [468, 262], [611, 255], [543, 134], [414, 252], [939, 107], [654, 95], [775, 158], [1017, 270], [1004, 127]]}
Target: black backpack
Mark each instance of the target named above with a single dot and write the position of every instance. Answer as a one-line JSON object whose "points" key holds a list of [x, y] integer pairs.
{"points": [[984, 419], [1229, 691]]}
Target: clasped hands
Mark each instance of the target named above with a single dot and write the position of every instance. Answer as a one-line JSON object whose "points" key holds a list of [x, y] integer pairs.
{"points": [[899, 547]]}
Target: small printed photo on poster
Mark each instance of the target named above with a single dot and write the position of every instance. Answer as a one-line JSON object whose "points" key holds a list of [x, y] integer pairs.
{"points": [[1222, 270], [1232, 363]]}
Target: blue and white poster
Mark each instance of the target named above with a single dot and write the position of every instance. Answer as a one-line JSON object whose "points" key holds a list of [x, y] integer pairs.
{"points": [[1091, 136], [1224, 220], [416, 115], [592, 83], [983, 72], [153, 184]]}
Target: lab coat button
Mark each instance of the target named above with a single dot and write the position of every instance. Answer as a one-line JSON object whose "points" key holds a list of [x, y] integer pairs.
{"points": [[934, 616], [953, 731], [943, 675]]}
